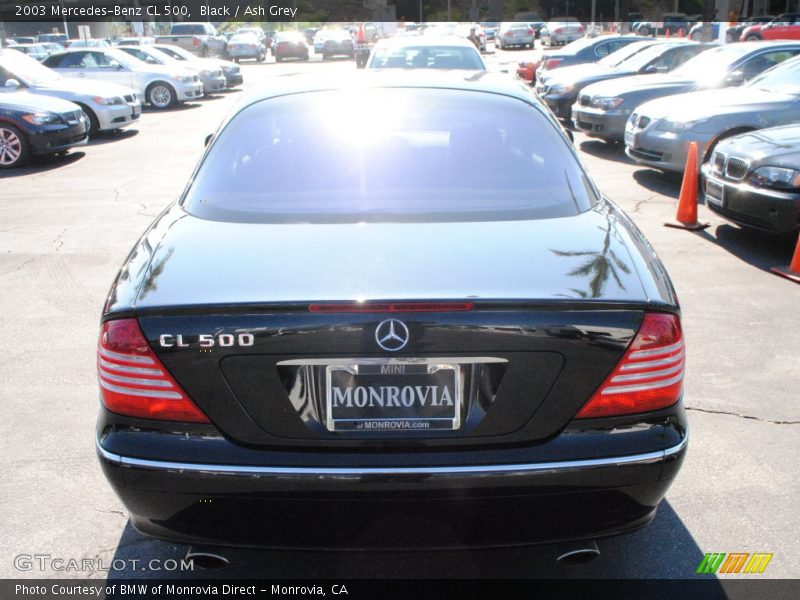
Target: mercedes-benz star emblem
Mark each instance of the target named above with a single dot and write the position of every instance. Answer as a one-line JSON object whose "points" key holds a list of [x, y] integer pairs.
{"points": [[391, 335]]}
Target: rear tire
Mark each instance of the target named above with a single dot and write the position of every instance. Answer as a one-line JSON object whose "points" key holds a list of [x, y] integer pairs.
{"points": [[14, 148], [752, 38]]}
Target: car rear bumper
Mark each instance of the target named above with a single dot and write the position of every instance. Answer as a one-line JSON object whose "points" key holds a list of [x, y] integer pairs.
{"points": [[754, 207], [343, 505]]}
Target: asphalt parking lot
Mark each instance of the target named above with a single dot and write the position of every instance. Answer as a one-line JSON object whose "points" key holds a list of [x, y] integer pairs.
{"points": [[67, 223]]}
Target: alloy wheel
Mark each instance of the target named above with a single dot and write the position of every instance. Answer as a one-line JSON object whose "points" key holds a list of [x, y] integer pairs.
{"points": [[10, 147]]}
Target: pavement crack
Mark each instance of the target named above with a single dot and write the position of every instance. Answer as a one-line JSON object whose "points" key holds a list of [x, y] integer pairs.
{"points": [[741, 416]]}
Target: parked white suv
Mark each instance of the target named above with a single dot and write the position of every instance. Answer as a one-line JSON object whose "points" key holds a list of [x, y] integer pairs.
{"points": [[107, 106], [161, 86]]}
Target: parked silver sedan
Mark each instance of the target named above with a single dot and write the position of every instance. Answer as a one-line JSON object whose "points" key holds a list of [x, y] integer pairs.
{"points": [[211, 76], [231, 71], [658, 133]]}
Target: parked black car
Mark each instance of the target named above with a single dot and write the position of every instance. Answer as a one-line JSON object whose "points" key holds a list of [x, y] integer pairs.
{"points": [[677, 24], [584, 50], [32, 124], [325, 374], [753, 179]]}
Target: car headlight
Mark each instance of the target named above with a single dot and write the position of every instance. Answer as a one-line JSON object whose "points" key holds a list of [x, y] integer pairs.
{"points": [[776, 177], [205, 73], [108, 101], [605, 103], [227, 69], [560, 88], [43, 118], [183, 78], [678, 126]]}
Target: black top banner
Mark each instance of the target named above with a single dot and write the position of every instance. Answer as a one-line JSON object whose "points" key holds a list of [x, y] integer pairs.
{"points": [[317, 11]]}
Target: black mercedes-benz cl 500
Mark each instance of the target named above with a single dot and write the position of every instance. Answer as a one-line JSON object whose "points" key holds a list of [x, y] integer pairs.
{"points": [[391, 312]]}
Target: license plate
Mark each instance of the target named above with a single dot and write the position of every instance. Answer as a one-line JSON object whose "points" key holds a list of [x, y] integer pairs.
{"points": [[715, 193], [393, 397], [629, 139]]}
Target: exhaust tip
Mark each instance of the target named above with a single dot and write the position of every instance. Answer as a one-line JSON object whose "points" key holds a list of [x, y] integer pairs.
{"points": [[578, 555], [208, 560]]}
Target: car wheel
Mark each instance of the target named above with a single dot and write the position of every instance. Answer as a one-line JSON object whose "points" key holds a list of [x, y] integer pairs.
{"points": [[262, 57], [752, 38], [204, 51], [325, 56], [161, 95], [94, 124], [278, 59], [14, 149]]}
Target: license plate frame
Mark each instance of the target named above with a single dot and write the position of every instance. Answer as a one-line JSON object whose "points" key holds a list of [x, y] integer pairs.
{"points": [[715, 193], [403, 375]]}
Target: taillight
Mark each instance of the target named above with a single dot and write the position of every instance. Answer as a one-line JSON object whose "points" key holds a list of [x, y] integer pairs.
{"points": [[530, 31], [559, 30], [649, 376], [133, 381], [196, 41], [552, 63]]}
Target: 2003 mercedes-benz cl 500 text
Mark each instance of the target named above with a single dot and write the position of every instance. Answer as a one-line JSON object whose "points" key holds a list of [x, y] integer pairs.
{"points": [[393, 312]]}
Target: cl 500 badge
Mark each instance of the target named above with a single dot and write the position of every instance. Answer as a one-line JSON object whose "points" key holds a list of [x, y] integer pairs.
{"points": [[207, 340]]}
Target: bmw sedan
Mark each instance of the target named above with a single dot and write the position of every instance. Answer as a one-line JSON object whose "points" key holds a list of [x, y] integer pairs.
{"points": [[356, 331], [562, 88], [659, 132], [609, 104], [37, 125], [753, 179], [108, 106]]}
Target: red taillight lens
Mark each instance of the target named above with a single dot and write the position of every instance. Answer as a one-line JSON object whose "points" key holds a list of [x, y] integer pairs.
{"points": [[649, 376], [530, 31], [552, 63], [391, 307], [133, 381], [559, 30], [195, 41]]}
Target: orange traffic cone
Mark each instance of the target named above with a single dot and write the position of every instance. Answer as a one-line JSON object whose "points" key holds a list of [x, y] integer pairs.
{"points": [[687, 203], [667, 33], [680, 33], [793, 271]]}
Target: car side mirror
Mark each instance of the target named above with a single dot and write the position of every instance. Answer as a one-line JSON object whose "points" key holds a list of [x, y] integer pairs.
{"points": [[12, 84], [209, 137], [650, 70], [115, 65], [735, 78]]}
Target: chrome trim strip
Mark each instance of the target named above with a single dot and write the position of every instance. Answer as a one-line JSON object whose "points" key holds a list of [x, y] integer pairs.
{"points": [[135, 370], [336, 472], [647, 374], [142, 360], [167, 394], [653, 363], [653, 385], [161, 383], [656, 351], [432, 360]]}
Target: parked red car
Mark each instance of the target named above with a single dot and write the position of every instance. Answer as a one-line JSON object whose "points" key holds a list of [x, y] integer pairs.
{"points": [[782, 27], [527, 69]]}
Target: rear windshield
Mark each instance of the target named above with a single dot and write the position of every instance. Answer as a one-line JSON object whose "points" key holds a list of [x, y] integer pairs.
{"points": [[389, 155], [427, 57]]}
